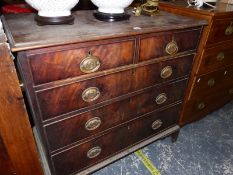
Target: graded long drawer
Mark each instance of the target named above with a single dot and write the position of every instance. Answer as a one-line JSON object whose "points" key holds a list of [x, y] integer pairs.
{"points": [[67, 98], [155, 46], [89, 153], [76, 128], [67, 62]]}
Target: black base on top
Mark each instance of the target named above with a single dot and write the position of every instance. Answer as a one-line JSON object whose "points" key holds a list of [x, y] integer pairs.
{"points": [[111, 17], [54, 20]]}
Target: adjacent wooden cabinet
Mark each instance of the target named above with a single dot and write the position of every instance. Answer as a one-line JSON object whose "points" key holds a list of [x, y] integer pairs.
{"points": [[99, 91], [211, 82]]}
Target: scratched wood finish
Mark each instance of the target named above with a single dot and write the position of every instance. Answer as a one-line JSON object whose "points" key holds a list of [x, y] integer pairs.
{"points": [[25, 34], [207, 66], [64, 132], [69, 162], [14, 125]]}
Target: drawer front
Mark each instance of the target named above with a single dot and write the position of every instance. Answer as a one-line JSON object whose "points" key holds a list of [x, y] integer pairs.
{"points": [[80, 61], [214, 82], [90, 123], [163, 71], [168, 44], [64, 99], [200, 105], [109, 144], [216, 57], [222, 30]]}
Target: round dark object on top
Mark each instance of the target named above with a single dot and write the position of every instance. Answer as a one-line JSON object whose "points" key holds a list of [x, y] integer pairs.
{"points": [[54, 20], [111, 17]]}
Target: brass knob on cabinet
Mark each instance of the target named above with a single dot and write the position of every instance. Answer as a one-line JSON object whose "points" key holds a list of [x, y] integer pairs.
{"points": [[211, 82], [229, 29], [90, 64], [156, 124], [94, 152], [220, 56], [93, 124], [161, 98], [201, 106], [172, 48], [166, 72], [91, 94]]}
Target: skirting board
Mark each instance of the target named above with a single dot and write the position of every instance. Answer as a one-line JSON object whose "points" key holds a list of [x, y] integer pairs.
{"points": [[109, 160]]}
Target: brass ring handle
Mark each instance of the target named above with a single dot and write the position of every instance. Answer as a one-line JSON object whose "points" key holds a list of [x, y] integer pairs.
{"points": [[161, 98], [166, 72], [211, 82], [201, 106], [91, 94], [231, 91], [93, 124], [172, 48], [220, 56], [94, 152], [90, 64], [229, 29], [156, 124]]}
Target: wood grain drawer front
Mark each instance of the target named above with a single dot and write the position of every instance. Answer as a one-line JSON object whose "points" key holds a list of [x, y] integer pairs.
{"points": [[212, 83], [202, 104], [64, 99], [168, 44], [222, 30], [162, 71], [216, 57], [90, 153], [79, 127], [87, 124], [70, 63]]}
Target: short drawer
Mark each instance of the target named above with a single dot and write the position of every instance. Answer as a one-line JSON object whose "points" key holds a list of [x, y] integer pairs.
{"points": [[90, 153], [67, 98], [61, 63], [216, 57], [155, 46], [162, 71], [222, 30], [82, 126], [212, 83]]}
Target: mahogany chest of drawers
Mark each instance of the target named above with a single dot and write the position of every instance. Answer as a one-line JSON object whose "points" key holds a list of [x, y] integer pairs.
{"points": [[97, 90], [211, 82]]}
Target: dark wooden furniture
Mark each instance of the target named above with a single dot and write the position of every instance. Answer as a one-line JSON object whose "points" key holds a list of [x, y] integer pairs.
{"points": [[18, 153], [101, 90], [211, 82]]}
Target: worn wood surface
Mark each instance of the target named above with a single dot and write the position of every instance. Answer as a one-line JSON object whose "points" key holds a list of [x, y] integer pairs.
{"points": [[24, 34], [17, 139]]}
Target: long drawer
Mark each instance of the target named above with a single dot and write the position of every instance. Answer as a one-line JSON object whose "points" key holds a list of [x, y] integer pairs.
{"points": [[84, 155], [157, 45], [211, 83], [93, 122], [66, 62], [64, 99], [216, 57]]}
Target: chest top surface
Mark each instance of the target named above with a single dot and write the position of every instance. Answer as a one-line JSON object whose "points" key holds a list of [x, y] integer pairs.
{"points": [[24, 34]]}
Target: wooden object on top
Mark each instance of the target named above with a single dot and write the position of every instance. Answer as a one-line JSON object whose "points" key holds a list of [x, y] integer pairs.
{"points": [[211, 82]]}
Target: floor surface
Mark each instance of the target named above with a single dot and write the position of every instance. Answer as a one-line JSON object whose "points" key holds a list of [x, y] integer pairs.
{"points": [[203, 148]]}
